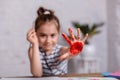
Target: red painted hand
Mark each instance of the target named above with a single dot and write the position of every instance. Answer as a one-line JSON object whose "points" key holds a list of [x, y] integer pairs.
{"points": [[76, 45]]}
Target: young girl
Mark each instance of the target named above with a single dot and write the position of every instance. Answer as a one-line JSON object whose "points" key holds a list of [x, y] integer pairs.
{"points": [[45, 55]]}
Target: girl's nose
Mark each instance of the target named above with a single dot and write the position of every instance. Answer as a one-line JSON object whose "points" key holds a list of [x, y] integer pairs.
{"points": [[48, 39]]}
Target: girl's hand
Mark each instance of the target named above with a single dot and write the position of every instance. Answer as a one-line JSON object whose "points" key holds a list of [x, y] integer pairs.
{"points": [[76, 44], [31, 36]]}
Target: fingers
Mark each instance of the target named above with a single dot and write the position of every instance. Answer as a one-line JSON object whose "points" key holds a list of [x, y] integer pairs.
{"points": [[86, 36], [31, 31], [73, 37], [78, 33], [71, 34], [66, 38], [30, 34]]}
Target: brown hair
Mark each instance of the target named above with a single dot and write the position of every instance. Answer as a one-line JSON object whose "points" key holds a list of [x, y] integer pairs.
{"points": [[46, 15]]}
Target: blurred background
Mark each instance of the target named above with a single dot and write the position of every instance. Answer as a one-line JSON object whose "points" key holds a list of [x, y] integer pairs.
{"points": [[17, 17]]}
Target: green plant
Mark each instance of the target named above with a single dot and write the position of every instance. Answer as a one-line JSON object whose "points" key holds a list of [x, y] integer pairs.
{"points": [[86, 28]]}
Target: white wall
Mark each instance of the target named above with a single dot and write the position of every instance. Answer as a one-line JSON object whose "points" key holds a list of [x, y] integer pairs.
{"points": [[113, 9], [17, 16]]}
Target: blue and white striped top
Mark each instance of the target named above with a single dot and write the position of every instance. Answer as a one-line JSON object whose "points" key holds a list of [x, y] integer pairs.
{"points": [[50, 63]]}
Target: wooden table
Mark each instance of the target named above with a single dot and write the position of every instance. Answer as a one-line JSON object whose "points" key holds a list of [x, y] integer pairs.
{"points": [[67, 75]]}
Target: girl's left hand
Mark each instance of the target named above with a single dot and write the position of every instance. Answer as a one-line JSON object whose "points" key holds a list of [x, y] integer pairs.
{"points": [[76, 44]]}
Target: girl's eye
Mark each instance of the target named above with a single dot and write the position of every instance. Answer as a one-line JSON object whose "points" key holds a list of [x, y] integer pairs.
{"points": [[52, 35], [42, 35]]}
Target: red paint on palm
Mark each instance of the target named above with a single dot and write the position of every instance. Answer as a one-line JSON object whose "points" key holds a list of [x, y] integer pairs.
{"points": [[76, 48]]}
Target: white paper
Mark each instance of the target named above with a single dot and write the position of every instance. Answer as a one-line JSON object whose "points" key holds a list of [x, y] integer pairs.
{"points": [[62, 78]]}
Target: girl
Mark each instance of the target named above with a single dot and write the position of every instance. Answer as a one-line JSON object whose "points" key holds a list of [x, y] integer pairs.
{"points": [[45, 55]]}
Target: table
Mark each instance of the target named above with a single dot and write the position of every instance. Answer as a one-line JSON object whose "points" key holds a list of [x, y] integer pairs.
{"points": [[60, 77], [66, 75]]}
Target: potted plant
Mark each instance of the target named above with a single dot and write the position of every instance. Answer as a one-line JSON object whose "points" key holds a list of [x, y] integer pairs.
{"points": [[89, 49], [86, 28]]}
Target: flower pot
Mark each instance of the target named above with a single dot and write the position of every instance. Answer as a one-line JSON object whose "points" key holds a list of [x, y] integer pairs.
{"points": [[89, 51]]}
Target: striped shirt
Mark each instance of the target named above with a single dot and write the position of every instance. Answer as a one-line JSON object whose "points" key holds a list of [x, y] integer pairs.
{"points": [[50, 63]]}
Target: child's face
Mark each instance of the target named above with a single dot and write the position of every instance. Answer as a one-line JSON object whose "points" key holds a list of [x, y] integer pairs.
{"points": [[47, 36]]}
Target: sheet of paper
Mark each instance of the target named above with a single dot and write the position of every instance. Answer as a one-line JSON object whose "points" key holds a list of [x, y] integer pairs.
{"points": [[62, 78]]}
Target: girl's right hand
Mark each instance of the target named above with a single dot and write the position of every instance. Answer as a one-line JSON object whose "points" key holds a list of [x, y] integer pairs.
{"points": [[32, 37]]}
